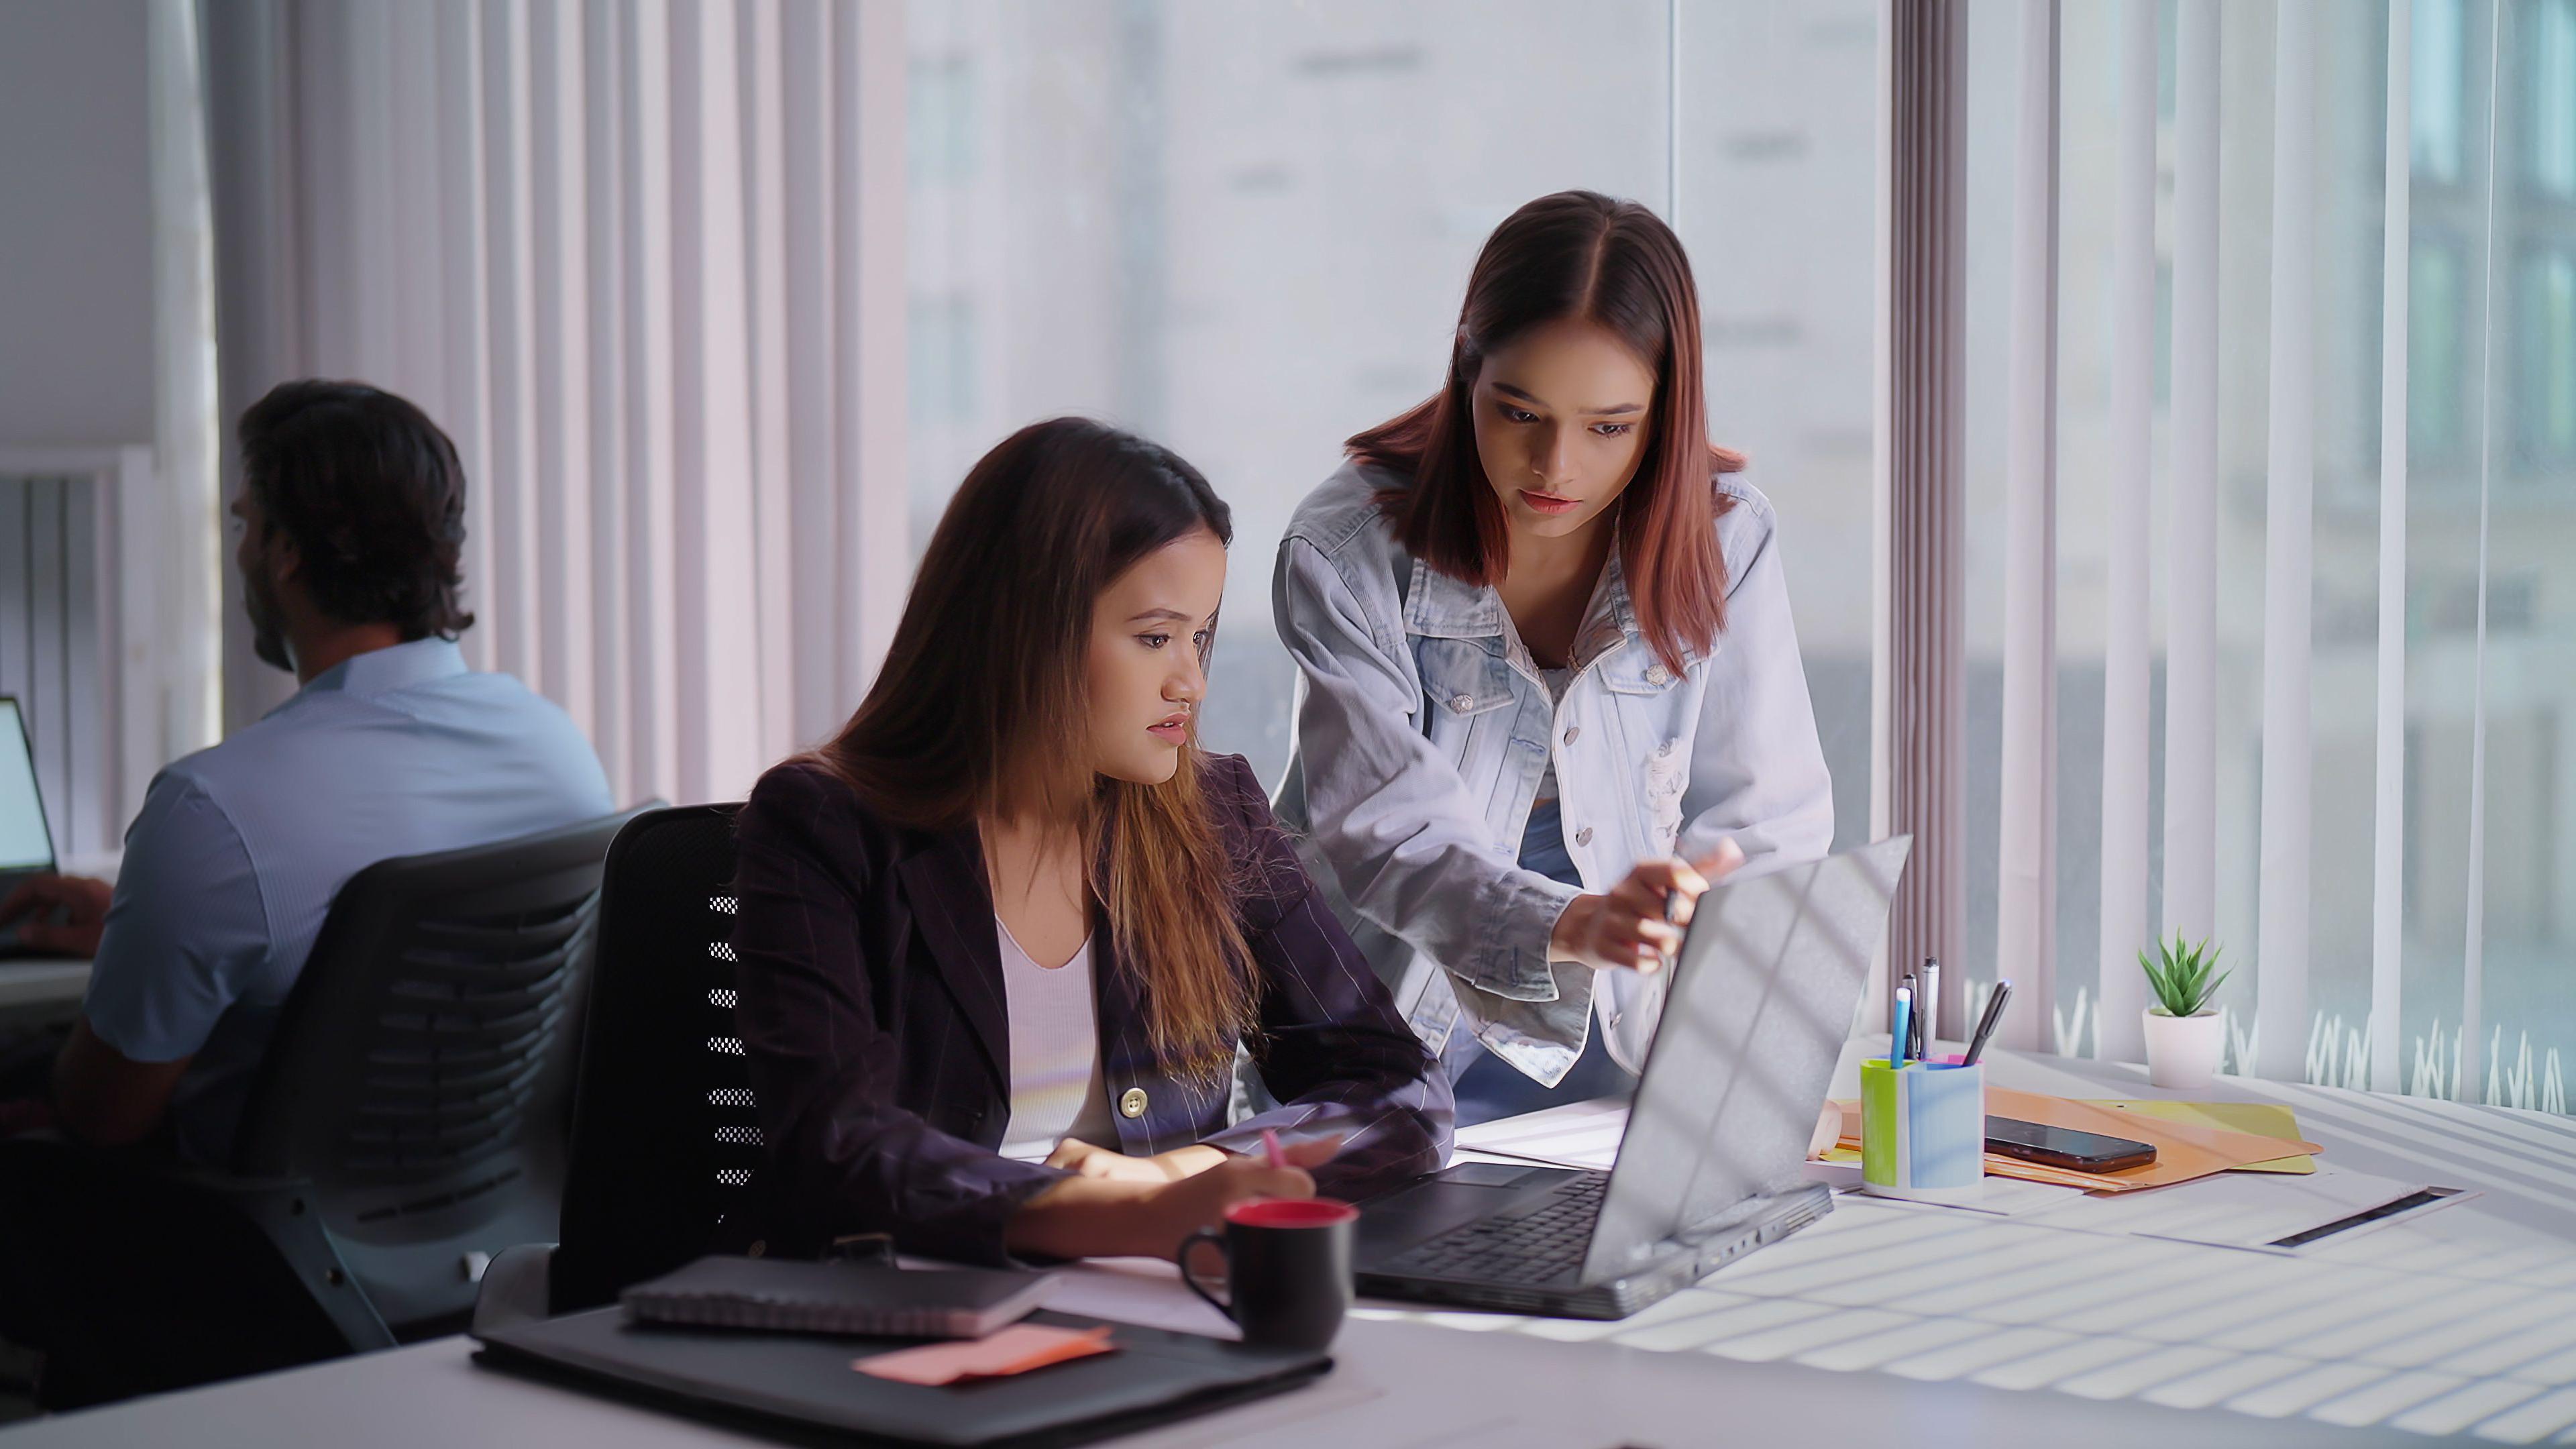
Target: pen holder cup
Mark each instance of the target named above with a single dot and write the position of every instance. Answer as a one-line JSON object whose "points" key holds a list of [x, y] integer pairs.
{"points": [[1923, 1131]]}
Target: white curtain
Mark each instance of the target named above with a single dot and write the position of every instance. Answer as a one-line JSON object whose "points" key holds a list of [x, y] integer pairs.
{"points": [[643, 260], [2026, 840], [2289, 578], [166, 678], [2364, 710]]}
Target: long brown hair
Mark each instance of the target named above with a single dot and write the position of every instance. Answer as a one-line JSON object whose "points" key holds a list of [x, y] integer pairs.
{"points": [[1577, 254], [984, 685]]}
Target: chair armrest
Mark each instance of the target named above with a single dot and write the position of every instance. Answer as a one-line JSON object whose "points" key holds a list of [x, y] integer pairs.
{"points": [[514, 1288]]}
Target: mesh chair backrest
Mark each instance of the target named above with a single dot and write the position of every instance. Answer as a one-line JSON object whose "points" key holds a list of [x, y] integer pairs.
{"points": [[732, 1138], [665, 1138], [422, 1062]]}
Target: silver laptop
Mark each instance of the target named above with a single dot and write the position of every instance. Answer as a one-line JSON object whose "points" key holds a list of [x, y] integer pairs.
{"points": [[26, 841], [1711, 1166]]}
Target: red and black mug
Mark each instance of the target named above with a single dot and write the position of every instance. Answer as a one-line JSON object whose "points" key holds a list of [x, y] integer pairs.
{"points": [[1288, 1269]]}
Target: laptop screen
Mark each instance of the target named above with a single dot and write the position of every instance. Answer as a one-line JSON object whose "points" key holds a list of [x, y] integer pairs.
{"points": [[1755, 1014], [25, 843]]}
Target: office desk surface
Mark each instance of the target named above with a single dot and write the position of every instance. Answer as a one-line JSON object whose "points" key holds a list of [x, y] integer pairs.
{"points": [[1394, 1384], [35, 989], [1878, 1323], [2461, 1321]]}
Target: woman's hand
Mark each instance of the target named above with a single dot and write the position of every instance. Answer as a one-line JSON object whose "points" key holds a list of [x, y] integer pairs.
{"points": [[1103, 1217], [1200, 1201], [1627, 927], [1075, 1155]]}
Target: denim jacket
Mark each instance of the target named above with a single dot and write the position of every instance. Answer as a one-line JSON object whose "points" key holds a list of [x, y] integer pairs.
{"points": [[1423, 731]]}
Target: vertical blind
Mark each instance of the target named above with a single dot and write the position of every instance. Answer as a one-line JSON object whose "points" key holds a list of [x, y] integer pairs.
{"points": [[643, 261], [2289, 529], [2126, 672], [1918, 665], [2280, 219], [2026, 883], [2191, 564], [2388, 719]]}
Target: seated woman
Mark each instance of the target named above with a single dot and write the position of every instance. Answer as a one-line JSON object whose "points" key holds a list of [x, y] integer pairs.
{"points": [[1002, 938]]}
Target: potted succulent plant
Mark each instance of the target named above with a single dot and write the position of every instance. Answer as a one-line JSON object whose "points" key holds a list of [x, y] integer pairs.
{"points": [[2184, 1034]]}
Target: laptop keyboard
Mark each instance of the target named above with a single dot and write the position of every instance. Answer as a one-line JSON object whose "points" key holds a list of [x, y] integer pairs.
{"points": [[1528, 1249]]}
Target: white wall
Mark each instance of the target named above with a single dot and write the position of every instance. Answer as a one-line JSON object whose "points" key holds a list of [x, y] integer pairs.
{"points": [[75, 224]]}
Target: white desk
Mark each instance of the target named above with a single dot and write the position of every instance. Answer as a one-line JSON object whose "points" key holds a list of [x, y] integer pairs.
{"points": [[1394, 1384], [2463, 1320], [38, 989], [1879, 1322]]}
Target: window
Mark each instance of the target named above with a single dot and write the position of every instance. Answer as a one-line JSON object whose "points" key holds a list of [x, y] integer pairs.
{"points": [[2436, 358], [1245, 230], [2438, 108], [2513, 617], [2544, 321], [940, 131], [940, 376], [2550, 91], [2164, 332], [941, 335]]}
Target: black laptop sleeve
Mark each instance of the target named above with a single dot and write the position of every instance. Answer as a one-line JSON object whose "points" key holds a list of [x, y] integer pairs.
{"points": [[802, 1388]]}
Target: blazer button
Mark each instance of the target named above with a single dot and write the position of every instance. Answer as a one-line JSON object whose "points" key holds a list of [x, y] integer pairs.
{"points": [[1657, 674], [1583, 836], [1572, 732], [1132, 1104], [1462, 702]]}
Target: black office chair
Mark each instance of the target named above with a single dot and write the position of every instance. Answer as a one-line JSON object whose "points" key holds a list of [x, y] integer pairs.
{"points": [[410, 1120], [665, 1141]]}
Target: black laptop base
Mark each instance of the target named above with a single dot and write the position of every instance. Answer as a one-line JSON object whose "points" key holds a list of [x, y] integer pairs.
{"points": [[1395, 1225]]}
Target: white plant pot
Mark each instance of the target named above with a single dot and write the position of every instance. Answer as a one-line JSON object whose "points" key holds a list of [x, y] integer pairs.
{"points": [[2183, 1051]]}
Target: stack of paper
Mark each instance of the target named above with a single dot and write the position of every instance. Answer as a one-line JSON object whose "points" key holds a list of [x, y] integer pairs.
{"points": [[1578, 1134], [2267, 1214], [2263, 1119]]}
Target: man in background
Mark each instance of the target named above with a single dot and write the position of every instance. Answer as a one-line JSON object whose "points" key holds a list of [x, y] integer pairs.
{"points": [[351, 521]]}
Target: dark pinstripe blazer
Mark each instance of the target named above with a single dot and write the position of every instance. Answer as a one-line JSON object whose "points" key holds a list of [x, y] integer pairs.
{"points": [[871, 1010]]}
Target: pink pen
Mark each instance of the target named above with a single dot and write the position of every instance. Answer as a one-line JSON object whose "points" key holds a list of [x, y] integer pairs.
{"points": [[1270, 1148]]}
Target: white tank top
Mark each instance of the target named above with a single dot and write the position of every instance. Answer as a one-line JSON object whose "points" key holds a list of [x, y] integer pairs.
{"points": [[1058, 1089]]}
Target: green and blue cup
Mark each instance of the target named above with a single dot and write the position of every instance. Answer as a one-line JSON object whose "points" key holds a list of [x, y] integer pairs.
{"points": [[1923, 1130]]}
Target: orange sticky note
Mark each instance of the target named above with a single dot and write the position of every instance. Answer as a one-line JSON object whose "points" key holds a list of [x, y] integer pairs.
{"points": [[1014, 1350]]}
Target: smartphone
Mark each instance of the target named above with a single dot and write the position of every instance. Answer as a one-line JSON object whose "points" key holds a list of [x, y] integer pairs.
{"points": [[2064, 1147]]}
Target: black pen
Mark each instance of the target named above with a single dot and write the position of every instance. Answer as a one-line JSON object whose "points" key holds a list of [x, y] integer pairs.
{"points": [[1987, 1023]]}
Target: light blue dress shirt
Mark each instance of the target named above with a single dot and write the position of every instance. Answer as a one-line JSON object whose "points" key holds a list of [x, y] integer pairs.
{"points": [[233, 860]]}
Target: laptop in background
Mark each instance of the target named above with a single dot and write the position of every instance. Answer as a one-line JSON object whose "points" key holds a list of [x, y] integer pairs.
{"points": [[26, 841], [1712, 1164]]}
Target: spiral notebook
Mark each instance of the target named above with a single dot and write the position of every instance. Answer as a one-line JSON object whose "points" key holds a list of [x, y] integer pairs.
{"points": [[789, 1296]]}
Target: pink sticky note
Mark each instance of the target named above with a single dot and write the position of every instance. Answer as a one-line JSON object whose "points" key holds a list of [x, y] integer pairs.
{"points": [[1014, 1350]]}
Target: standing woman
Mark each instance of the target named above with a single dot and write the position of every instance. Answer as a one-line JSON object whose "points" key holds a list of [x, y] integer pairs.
{"points": [[1549, 676], [1001, 939]]}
